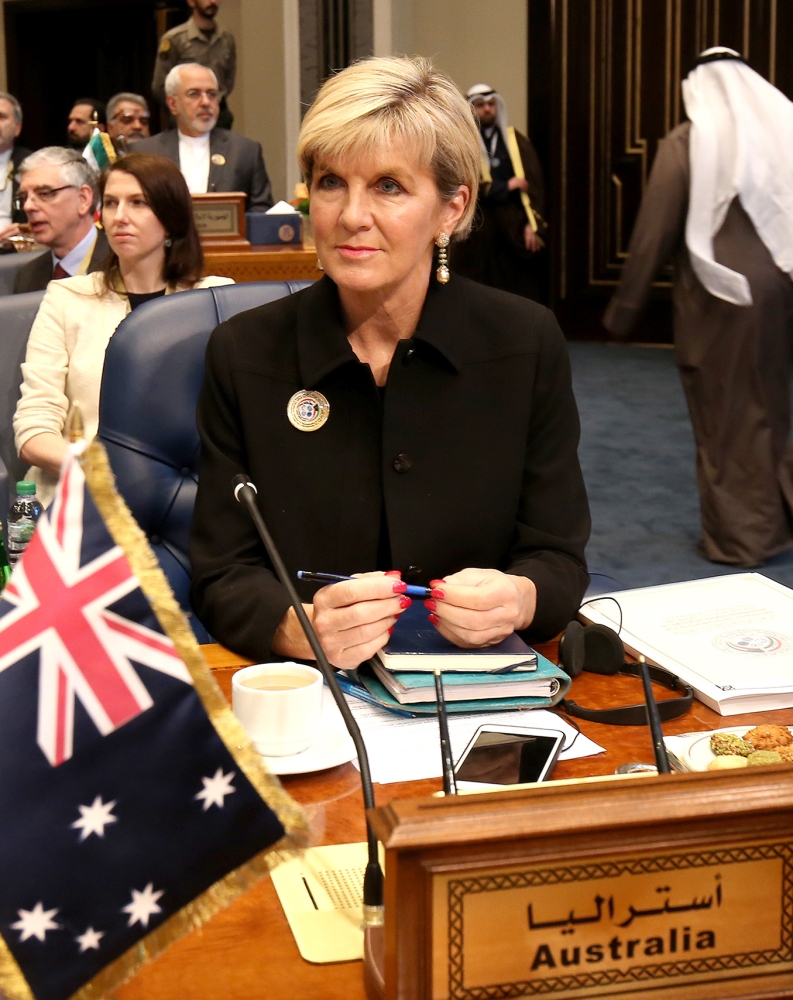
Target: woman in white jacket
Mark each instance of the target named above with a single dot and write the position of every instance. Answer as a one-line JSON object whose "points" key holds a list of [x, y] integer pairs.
{"points": [[154, 250]]}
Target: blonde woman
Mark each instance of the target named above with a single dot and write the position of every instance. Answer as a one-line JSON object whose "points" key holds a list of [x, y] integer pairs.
{"points": [[154, 250], [394, 418]]}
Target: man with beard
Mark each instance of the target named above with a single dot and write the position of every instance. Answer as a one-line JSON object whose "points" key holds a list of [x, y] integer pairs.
{"points": [[211, 159], [198, 40], [85, 112], [719, 204], [127, 120], [507, 235]]}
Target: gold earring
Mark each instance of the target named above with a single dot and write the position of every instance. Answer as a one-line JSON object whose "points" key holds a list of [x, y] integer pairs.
{"points": [[441, 242]]}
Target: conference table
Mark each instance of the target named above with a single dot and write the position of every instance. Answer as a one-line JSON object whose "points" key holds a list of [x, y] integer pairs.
{"points": [[247, 951], [263, 263]]}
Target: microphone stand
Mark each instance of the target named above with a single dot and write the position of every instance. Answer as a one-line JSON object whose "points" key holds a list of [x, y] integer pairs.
{"points": [[449, 779], [245, 493], [654, 719]]}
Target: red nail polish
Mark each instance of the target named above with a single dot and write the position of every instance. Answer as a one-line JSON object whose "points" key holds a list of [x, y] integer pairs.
{"points": [[393, 572], [437, 594], [434, 619], [436, 583], [430, 605], [399, 587], [405, 601], [390, 631]]}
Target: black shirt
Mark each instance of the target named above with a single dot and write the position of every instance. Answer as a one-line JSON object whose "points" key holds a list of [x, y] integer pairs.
{"points": [[138, 298], [473, 455]]}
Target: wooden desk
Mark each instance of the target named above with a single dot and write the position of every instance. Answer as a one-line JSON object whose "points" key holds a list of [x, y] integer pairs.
{"points": [[247, 952], [260, 263]]}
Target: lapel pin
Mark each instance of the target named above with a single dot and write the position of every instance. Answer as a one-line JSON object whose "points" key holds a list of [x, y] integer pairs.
{"points": [[218, 159], [308, 411]]}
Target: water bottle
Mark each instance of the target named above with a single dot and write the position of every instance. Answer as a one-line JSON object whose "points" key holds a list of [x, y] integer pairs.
{"points": [[22, 517], [5, 569]]}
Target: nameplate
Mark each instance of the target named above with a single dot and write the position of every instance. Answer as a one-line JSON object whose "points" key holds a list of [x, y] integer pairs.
{"points": [[615, 925], [220, 219], [676, 886]]}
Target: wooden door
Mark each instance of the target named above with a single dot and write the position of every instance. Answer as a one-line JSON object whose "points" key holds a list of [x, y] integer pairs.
{"points": [[604, 88]]}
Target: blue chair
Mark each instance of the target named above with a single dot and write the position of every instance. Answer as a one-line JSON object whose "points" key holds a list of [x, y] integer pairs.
{"points": [[17, 313], [10, 263], [152, 376]]}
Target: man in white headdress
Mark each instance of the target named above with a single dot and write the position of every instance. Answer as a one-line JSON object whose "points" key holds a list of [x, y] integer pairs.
{"points": [[719, 204], [508, 228]]}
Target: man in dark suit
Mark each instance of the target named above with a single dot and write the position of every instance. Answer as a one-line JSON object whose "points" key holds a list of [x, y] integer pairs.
{"points": [[57, 189], [11, 156], [211, 159]]}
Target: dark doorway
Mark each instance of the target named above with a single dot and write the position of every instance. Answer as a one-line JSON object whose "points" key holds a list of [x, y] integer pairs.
{"points": [[604, 88], [59, 50]]}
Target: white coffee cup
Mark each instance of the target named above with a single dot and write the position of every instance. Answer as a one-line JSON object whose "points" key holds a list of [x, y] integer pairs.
{"points": [[279, 706]]}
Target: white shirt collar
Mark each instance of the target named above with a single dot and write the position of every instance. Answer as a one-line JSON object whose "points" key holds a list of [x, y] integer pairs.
{"points": [[74, 258], [194, 161]]}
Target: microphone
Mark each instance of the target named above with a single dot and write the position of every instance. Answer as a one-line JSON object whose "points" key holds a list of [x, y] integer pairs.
{"points": [[245, 493]]}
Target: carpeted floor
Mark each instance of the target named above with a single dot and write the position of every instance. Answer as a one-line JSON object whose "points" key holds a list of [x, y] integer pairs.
{"points": [[637, 453]]}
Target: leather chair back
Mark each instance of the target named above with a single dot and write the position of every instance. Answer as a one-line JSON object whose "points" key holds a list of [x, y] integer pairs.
{"points": [[154, 367], [17, 313], [10, 263]]}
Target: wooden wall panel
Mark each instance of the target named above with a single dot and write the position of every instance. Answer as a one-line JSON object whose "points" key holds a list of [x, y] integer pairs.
{"points": [[604, 88]]}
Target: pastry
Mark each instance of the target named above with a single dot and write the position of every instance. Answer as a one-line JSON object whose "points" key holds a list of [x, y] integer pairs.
{"points": [[769, 737], [727, 763], [763, 757]]}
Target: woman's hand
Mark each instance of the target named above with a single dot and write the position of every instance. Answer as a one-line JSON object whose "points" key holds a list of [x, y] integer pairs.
{"points": [[352, 619], [480, 607]]}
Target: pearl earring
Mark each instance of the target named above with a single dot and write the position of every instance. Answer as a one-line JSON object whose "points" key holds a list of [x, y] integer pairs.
{"points": [[169, 242], [442, 242]]}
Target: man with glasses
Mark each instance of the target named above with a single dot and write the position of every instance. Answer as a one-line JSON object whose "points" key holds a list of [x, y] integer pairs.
{"points": [[11, 156], [57, 190], [199, 40], [210, 158], [127, 120]]}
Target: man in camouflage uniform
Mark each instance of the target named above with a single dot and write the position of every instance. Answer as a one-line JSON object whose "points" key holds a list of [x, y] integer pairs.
{"points": [[198, 40]]}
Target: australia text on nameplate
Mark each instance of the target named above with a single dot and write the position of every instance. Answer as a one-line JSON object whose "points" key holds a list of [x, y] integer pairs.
{"points": [[123, 808], [618, 923]]}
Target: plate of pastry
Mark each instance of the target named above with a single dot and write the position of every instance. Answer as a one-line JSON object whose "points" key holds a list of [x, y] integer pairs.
{"points": [[732, 748]]}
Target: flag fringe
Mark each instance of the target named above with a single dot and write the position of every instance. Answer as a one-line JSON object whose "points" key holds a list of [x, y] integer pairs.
{"points": [[127, 534]]}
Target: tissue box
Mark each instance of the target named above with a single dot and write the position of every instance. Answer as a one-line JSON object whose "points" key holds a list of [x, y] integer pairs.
{"points": [[283, 227]]}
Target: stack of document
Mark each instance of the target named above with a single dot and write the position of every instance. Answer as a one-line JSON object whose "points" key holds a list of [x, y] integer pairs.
{"points": [[509, 675], [729, 637]]}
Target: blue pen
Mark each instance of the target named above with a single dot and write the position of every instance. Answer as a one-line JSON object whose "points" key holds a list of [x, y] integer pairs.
{"points": [[302, 574]]}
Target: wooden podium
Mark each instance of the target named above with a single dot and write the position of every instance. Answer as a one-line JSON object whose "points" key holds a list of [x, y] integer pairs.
{"points": [[677, 887]]}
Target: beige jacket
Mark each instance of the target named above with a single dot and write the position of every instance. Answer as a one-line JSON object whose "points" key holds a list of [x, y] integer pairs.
{"points": [[64, 360]]}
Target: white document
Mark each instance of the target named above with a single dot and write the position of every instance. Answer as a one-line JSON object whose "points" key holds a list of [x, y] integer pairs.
{"points": [[729, 637], [402, 749]]}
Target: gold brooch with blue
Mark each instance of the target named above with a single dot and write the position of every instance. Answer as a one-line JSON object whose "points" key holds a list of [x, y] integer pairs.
{"points": [[308, 411]]}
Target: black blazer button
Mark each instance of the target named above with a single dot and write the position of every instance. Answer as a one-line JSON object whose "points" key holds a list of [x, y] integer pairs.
{"points": [[402, 463], [412, 574], [408, 355]]}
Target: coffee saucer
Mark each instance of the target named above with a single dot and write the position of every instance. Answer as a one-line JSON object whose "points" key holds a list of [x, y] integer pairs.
{"points": [[333, 745]]}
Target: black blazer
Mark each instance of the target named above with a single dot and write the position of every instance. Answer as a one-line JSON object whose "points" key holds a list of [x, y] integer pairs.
{"points": [[17, 156], [474, 454], [243, 168], [37, 273]]}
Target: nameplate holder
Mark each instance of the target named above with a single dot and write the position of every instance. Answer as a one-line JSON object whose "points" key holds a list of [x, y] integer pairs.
{"points": [[673, 887], [220, 220]]}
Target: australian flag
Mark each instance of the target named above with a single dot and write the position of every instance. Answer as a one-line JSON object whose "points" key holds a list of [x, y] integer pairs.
{"points": [[119, 801]]}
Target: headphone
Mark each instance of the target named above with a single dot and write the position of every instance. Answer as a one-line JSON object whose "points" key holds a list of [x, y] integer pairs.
{"points": [[599, 650]]}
